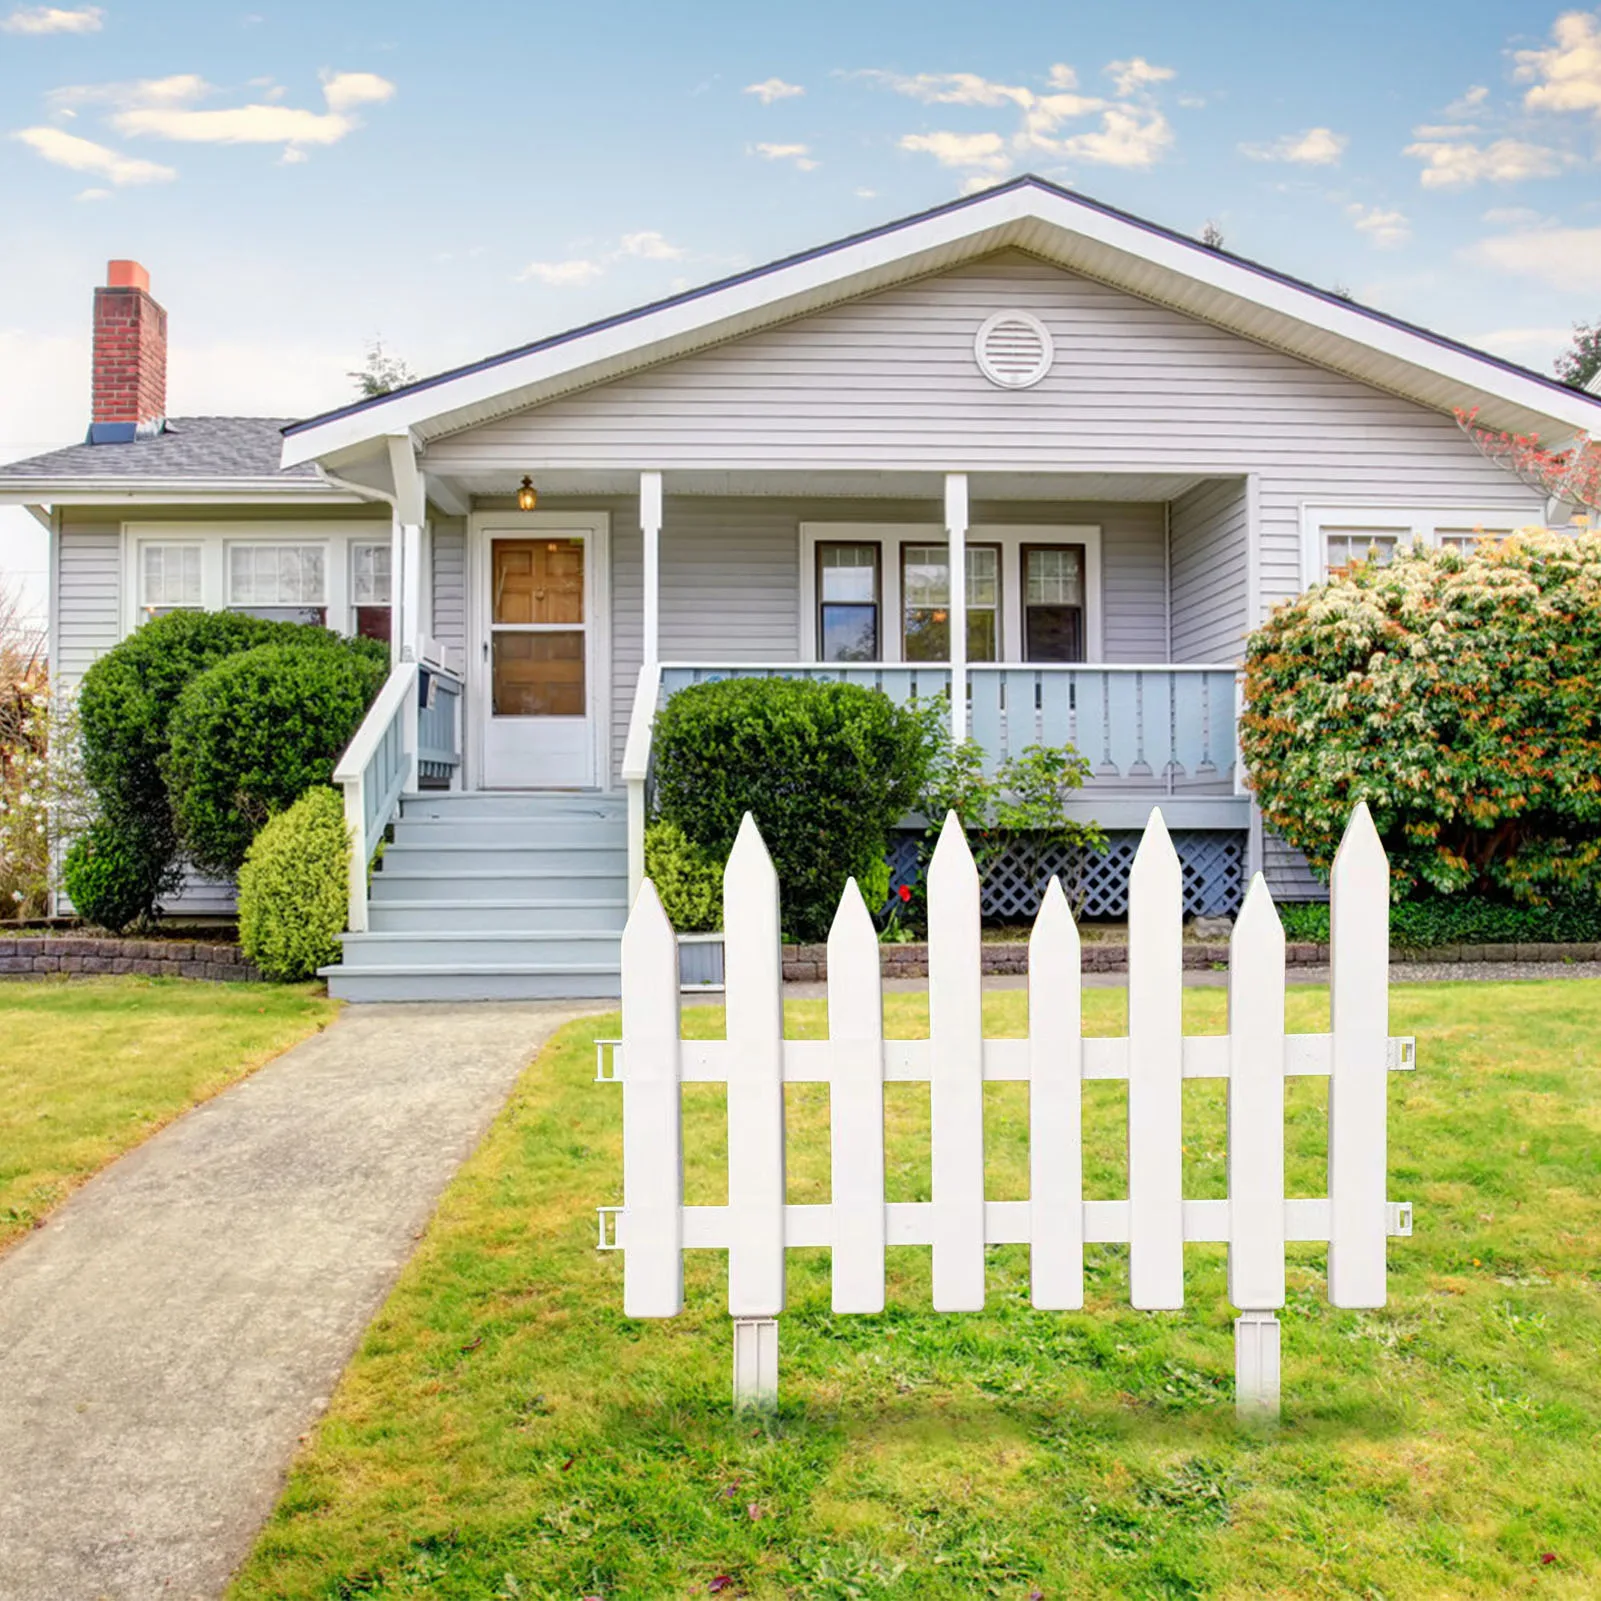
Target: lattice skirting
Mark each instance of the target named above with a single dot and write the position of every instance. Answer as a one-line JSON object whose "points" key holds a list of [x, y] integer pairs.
{"points": [[1213, 860]]}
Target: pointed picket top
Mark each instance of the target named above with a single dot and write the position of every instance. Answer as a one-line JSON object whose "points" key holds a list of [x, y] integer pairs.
{"points": [[647, 921], [853, 955], [952, 862], [1156, 860], [1361, 849], [750, 868], [1055, 934], [1257, 926]]}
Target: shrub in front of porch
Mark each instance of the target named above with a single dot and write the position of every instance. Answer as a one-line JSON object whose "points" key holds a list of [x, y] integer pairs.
{"points": [[1459, 695], [827, 770], [293, 888]]}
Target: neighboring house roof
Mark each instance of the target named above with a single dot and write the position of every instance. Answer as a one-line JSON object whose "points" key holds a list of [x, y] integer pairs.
{"points": [[1054, 224], [192, 455], [1594, 385]]}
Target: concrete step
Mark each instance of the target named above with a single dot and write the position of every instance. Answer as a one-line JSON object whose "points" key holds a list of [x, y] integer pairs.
{"points": [[538, 915], [527, 982], [562, 828], [425, 880], [468, 857], [597, 948]]}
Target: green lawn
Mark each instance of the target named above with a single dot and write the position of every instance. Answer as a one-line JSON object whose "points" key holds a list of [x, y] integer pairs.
{"points": [[505, 1432], [90, 1067]]}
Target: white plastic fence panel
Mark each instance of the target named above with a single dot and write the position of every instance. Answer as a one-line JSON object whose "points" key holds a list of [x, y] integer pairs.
{"points": [[956, 1073], [754, 981], [1055, 1126], [1155, 1073], [1359, 999], [1256, 1104], [653, 1168], [856, 1106]]}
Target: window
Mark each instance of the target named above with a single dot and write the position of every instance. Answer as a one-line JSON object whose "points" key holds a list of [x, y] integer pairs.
{"points": [[370, 591], [169, 578], [1344, 546], [1053, 603], [1332, 540], [847, 603], [926, 601], [282, 583]]}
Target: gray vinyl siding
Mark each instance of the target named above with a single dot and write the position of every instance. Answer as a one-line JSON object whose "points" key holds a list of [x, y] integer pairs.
{"points": [[450, 582], [89, 597], [888, 383], [1209, 572]]}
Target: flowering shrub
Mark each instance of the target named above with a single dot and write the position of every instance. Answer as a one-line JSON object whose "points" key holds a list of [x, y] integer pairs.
{"points": [[1459, 695]]}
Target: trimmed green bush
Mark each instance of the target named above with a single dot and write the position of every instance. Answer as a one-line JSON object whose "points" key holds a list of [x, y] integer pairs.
{"points": [[251, 735], [1459, 695], [106, 874], [1461, 920], [688, 879], [827, 770], [293, 888], [125, 704]]}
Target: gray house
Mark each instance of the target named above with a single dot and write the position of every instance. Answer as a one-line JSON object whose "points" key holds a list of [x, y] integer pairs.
{"points": [[1129, 445]]}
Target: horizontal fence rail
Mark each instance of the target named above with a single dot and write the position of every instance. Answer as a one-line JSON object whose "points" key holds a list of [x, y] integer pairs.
{"points": [[1156, 1220]]}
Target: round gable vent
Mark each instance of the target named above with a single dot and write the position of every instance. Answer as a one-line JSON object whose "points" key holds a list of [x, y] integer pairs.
{"points": [[1013, 349]]}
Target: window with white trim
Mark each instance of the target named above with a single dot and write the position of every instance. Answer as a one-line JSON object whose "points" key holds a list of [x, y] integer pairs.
{"points": [[169, 578], [371, 589], [1334, 538], [282, 583]]}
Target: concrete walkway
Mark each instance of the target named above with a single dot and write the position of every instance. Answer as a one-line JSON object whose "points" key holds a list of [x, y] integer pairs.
{"points": [[167, 1337]]}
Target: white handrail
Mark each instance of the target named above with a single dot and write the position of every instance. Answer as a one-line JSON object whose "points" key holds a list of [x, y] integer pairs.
{"points": [[398, 693], [636, 769], [972, 667]]}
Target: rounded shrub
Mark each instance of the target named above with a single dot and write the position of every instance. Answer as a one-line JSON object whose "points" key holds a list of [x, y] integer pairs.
{"points": [[826, 770], [125, 706], [252, 734], [106, 875], [1459, 695], [293, 888], [687, 876]]}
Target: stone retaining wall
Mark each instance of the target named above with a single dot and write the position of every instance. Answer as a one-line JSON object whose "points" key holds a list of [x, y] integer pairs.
{"points": [[152, 958], [803, 962]]}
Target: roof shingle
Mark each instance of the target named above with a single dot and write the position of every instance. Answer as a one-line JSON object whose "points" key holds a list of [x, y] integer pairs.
{"points": [[189, 447]]}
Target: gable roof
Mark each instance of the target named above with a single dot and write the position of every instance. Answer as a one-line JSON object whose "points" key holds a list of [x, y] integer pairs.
{"points": [[214, 448], [1061, 227]]}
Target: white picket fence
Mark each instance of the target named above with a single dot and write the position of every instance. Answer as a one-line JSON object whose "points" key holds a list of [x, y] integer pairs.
{"points": [[653, 1227]]}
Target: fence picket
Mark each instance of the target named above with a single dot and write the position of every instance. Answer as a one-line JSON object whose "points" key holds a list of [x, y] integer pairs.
{"points": [[1055, 1125], [956, 1074], [856, 1106], [1256, 1104], [753, 978], [1359, 950], [653, 1171], [1155, 1082]]}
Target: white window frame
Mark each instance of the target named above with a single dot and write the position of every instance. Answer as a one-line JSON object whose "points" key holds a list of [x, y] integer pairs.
{"points": [[889, 537], [215, 539], [1423, 522], [143, 608]]}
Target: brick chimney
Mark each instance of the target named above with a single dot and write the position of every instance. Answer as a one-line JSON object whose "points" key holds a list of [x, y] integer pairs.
{"points": [[130, 358]]}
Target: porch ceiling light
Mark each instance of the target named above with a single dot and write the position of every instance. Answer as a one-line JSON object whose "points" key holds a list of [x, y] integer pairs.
{"points": [[527, 495]]}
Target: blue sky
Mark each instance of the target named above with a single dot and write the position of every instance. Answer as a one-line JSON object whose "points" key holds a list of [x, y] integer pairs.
{"points": [[300, 179]]}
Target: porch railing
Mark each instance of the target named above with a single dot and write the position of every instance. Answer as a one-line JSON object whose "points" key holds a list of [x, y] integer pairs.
{"points": [[411, 731], [1145, 730]]}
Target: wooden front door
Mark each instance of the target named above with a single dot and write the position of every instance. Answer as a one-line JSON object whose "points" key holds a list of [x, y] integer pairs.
{"points": [[538, 652]]}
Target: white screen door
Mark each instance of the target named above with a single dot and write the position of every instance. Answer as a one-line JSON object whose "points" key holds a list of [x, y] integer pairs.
{"points": [[537, 731]]}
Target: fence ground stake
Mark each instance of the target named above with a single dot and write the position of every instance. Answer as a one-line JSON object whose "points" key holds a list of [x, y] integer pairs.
{"points": [[755, 1361], [1256, 1367]]}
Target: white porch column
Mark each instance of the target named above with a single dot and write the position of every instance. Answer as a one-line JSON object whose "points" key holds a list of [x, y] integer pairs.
{"points": [[406, 548], [650, 525], [956, 532]]}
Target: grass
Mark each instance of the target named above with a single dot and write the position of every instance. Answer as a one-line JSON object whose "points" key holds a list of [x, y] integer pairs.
{"points": [[504, 1432], [90, 1067]]}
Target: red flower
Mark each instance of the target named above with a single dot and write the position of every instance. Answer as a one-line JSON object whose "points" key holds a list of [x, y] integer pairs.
{"points": [[905, 893]]}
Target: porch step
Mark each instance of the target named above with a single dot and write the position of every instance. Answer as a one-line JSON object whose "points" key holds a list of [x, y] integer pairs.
{"points": [[448, 804], [423, 879], [487, 828], [475, 948], [469, 856], [461, 913], [509, 982]]}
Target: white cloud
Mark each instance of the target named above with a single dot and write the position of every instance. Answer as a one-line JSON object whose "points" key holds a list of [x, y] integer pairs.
{"points": [[1567, 75], [1468, 104], [1445, 130], [84, 155], [867, 194], [1568, 259], [952, 88], [344, 91], [1383, 227], [1131, 76], [1129, 137], [651, 245], [1452, 165], [52, 19], [93, 194], [801, 155], [1533, 347], [175, 90], [562, 274], [1514, 217], [771, 89], [1316, 147], [984, 151]]}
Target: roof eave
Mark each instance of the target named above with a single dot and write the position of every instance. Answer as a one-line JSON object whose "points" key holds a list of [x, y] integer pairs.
{"points": [[131, 491]]}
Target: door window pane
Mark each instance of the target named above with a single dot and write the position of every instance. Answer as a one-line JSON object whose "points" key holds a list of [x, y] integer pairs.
{"points": [[848, 600], [926, 595], [1053, 603], [538, 675], [538, 580]]}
